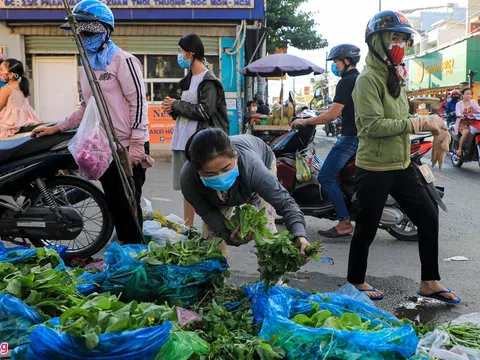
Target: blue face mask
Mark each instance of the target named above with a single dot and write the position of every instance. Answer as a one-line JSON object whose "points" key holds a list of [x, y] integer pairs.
{"points": [[222, 182], [449, 99], [335, 71], [2, 84], [184, 64]]}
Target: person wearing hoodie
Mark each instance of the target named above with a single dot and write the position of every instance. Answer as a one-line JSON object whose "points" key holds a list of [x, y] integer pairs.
{"points": [[120, 76], [202, 106], [383, 156], [443, 105], [451, 107]]}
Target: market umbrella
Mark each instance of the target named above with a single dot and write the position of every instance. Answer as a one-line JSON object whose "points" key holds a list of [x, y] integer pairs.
{"points": [[280, 65]]}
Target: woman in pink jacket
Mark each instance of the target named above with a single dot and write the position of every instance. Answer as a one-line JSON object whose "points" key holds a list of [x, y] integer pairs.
{"points": [[120, 76]]}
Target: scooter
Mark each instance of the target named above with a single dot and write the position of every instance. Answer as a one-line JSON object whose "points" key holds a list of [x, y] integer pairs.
{"points": [[471, 148], [312, 197], [43, 207]]}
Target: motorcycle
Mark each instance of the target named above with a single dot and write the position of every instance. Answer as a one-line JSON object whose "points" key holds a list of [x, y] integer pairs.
{"points": [[41, 206], [333, 127], [312, 197], [471, 148]]}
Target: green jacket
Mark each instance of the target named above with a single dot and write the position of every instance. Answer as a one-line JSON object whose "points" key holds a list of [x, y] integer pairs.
{"points": [[382, 121]]}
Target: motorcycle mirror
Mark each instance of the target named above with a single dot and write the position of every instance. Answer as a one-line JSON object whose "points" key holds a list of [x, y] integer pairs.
{"points": [[318, 94]]}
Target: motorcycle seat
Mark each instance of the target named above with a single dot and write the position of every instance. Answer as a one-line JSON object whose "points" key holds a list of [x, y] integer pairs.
{"points": [[14, 149]]}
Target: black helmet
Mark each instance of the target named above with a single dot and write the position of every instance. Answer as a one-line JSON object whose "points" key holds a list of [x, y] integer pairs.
{"points": [[343, 51], [388, 21]]}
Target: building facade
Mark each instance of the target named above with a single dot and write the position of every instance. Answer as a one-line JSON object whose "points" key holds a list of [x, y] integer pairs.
{"points": [[149, 29]]}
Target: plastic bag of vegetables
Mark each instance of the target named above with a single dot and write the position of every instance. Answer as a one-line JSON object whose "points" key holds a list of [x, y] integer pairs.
{"points": [[333, 326]]}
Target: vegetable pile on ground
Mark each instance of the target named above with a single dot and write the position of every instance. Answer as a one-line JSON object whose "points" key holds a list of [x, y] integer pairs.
{"points": [[278, 253], [465, 334], [100, 314], [187, 252]]}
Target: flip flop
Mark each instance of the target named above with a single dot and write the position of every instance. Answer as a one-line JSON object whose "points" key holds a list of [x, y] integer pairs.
{"points": [[331, 233], [374, 298], [438, 296]]}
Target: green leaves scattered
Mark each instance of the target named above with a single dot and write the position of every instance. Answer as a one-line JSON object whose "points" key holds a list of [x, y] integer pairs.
{"points": [[188, 252], [99, 314], [317, 318]]}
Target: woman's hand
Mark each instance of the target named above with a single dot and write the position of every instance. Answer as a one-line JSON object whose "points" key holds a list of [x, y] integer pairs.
{"points": [[168, 104], [234, 240], [44, 131], [303, 245]]}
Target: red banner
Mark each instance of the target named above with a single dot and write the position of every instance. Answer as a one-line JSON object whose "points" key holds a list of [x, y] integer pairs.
{"points": [[160, 125]]}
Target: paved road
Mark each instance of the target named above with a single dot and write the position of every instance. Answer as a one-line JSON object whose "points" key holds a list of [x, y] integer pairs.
{"points": [[394, 266]]}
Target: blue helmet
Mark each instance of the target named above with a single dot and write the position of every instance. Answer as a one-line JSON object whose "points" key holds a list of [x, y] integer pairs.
{"points": [[93, 10]]}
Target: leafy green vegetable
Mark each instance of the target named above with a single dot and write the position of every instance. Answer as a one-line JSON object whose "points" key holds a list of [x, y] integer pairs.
{"points": [[249, 220], [317, 318], [465, 334], [186, 252], [99, 314]]}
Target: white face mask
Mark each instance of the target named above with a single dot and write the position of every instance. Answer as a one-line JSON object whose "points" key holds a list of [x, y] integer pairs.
{"points": [[254, 109]]}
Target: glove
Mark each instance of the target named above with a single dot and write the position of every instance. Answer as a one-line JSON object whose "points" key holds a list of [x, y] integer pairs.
{"points": [[137, 154], [441, 136]]}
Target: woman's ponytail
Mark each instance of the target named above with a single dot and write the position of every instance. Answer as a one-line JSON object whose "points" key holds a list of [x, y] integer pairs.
{"points": [[24, 84], [394, 83]]}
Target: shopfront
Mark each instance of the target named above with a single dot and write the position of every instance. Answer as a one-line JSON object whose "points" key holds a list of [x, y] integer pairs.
{"points": [[435, 73], [149, 29]]}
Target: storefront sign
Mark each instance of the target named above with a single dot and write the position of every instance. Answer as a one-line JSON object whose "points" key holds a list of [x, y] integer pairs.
{"points": [[132, 4], [160, 125]]}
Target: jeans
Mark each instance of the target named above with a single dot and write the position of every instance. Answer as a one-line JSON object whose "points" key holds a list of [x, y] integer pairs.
{"points": [[341, 152], [373, 188]]}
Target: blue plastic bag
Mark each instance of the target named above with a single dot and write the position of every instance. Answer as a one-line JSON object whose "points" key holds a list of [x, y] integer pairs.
{"points": [[15, 319], [138, 281], [51, 344], [306, 343], [19, 254]]}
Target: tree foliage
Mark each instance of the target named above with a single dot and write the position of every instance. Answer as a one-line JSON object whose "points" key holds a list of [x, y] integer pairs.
{"points": [[287, 26]]}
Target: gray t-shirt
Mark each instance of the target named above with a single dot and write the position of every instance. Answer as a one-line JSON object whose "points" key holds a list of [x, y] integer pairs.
{"points": [[184, 127]]}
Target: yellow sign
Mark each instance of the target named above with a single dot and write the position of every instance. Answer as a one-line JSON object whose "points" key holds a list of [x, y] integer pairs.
{"points": [[446, 66]]}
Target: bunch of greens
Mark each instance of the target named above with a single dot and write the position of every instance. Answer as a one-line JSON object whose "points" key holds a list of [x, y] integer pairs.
{"points": [[49, 291], [99, 314], [465, 334], [186, 252], [317, 318], [232, 334], [279, 254], [249, 220], [42, 257]]}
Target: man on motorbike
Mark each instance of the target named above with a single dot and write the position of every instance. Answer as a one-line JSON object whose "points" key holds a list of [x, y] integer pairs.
{"points": [[450, 107], [344, 57]]}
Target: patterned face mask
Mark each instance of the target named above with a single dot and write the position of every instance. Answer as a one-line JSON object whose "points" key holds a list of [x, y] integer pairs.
{"points": [[100, 57]]}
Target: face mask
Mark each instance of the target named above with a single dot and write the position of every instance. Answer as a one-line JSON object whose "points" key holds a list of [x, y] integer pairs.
{"points": [[397, 52], [335, 71], [3, 78], [456, 98], [222, 182], [467, 97], [93, 43], [449, 99], [184, 64], [254, 109]]}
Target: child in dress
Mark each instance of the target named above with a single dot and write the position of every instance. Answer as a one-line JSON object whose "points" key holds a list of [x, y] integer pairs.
{"points": [[15, 110]]}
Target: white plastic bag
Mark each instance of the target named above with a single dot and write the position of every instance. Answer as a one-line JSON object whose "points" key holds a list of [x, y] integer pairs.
{"points": [[432, 344], [89, 146], [159, 234], [147, 209]]}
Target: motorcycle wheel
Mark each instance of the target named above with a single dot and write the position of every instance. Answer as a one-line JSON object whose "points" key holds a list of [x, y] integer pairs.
{"points": [[98, 222], [405, 231], [456, 161]]}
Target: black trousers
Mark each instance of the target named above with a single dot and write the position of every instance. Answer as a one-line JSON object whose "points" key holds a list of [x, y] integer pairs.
{"points": [[373, 188], [127, 231]]}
